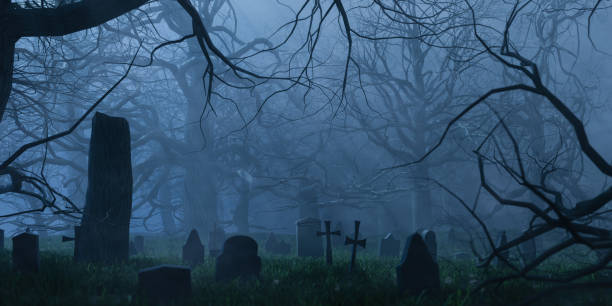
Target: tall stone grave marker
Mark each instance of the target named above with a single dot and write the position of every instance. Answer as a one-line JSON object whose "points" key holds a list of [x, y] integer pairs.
{"points": [[104, 233], [165, 285], [417, 271], [389, 246], [193, 250], [238, 259], [308, 244], [25, 253]]}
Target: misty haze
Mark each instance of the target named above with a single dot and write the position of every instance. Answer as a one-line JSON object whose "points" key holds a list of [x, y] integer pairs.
{"points": [[305, 152]]}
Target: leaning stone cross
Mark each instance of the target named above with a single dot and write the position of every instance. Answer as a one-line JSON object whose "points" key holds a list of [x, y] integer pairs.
{"points": [[328, 247], [355, 242]]}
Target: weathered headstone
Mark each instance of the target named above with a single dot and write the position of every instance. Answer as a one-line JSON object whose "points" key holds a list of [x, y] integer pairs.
{"points": [[1, 240], [104, 232], [328, 237], [215, 241], [504, 254], [528, 250], [193, 250], [389, 246], [308, 244], [355, 242], [165, 285], [139, 244], [238, 259], [75, 239], [430, 240], [25, 253], [417, 270]]}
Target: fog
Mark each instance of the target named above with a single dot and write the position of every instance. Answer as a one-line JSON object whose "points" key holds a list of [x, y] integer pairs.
{"points": [[465, 115]]}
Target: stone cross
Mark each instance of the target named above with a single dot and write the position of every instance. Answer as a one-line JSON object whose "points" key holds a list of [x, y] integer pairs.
{"points": [[165, 284], [328, 247], [25, 252], [355, 242]]}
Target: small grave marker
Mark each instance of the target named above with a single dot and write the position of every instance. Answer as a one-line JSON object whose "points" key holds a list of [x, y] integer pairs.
{"points": [[165, 284], [238, 260], [389, 246], [25, 252], [355, 242], [328, 234], [308, 244], [417, 271], [193, 250]]}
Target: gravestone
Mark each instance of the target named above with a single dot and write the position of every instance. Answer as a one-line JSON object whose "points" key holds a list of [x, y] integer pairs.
{"points": [[528, 250], [502, 241], [238, 259], [354, 242], [25, 253], [389, 246], [105, 226], [215, 241], [417, 271], [430, 240], [75, 239], [328, 241], [139, 244], [1, 240], [193, 250], [165, 284], [308, 244]]}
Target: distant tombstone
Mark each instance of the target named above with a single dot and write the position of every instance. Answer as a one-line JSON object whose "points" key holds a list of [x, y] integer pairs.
{"points": [[389, 246], [528, 250], [1, 240], [504, 254], [430, 240], [105, 226], [165, 284], [193, 250], [417, 271], [25, 253], [139, 244], [215, 241], [238, 260], [308, 243]]}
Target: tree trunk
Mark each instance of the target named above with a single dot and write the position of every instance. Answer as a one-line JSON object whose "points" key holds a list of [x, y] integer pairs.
{"points": [[7, 57]]}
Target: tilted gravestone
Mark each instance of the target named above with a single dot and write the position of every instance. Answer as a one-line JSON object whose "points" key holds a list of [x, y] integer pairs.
{"points": [[165, 285], [308, 243], [238, 259], [25, 253], [215, 241], [276, 246], [389, 246], [1, 240], [504, 254], [430, 240], [528, 250], [104, 232], [193, 250], [417, 271]]}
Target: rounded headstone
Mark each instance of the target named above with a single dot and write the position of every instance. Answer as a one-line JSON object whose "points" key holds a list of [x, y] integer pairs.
{"points": [[238, 259], [165, 284]]}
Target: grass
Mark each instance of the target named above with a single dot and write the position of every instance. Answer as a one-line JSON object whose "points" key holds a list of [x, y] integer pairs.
{"points": [[284, 280]]}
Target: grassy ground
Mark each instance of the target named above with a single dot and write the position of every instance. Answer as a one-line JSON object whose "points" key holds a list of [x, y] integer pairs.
{"points": [[284, 281]]}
